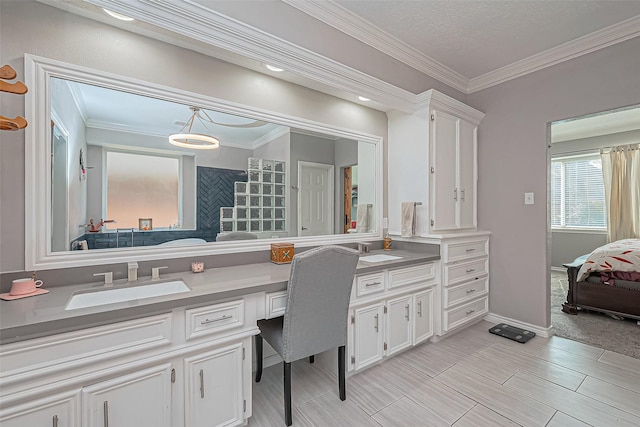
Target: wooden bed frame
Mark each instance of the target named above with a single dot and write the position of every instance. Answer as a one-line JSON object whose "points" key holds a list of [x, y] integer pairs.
{"points": [[599, 297]]}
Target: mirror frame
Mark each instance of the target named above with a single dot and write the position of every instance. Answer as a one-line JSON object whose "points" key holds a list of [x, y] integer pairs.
{"points": [[38, 253]]}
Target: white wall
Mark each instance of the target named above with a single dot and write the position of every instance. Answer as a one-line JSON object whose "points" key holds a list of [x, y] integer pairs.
{"points": [[72, 122], [35, 28], [512, 154]]}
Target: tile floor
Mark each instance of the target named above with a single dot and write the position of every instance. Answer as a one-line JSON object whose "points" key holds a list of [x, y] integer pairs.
{"points": [[471, 379]]}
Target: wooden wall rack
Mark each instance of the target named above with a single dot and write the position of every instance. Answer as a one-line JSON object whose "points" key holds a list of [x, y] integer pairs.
{"points": [[19, 88]]}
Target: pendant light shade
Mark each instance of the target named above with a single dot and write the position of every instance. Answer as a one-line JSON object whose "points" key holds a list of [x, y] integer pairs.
{"points": [[189, 139]]}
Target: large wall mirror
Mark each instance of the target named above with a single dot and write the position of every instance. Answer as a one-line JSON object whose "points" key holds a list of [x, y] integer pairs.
{"points": [[105, 184]]}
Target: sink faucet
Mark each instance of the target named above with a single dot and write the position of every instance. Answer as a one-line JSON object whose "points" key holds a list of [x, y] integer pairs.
{"points": [[133, 271], [363, 247]]}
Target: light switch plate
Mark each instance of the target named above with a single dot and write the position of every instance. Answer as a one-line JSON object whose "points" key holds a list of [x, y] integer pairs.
{"points": [[528, 198]]}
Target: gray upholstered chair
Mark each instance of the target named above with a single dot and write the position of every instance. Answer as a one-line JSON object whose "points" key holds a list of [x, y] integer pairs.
{"points": [[315, 318]]}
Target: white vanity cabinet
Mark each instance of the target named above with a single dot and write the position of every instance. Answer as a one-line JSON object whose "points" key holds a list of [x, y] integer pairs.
{"points": [[140, 398], [189, 367], [214, 395], [453, 168], [465, 280], [432, 159], [367, 335], [56, 410], [384, 321], [423, 315]]}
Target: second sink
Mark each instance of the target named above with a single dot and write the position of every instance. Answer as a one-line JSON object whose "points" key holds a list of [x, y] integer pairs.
{"points": [[103, 296], [379, 258]]}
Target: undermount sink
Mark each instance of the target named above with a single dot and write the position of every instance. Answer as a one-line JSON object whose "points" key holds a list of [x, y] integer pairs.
{"points": [[379, 258], [103, 296]]}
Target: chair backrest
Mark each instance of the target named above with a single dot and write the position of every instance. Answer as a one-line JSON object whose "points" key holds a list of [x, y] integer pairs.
{"points": [[318, 294], [235, 235]]}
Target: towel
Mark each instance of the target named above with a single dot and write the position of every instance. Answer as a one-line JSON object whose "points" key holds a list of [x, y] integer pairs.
{"points": [[408, 219], [362, 221]]}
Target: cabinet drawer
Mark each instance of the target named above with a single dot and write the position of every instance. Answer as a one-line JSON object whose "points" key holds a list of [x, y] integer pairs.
{"points": [[369, 284], [275, 304], [464, 250], [214, 318], [465, 270], [38, 358], [410, 275], [461, 293], [465, 313]]}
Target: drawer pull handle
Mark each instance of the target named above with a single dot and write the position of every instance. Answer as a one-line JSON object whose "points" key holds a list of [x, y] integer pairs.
{"points": [[420, 308], [55, 421], [225, 317], [106, 413], [470, 311], [470, 270], [376, 325], [371, 284], [471, 249], [407, 315], [202, 383], [470, 290]]}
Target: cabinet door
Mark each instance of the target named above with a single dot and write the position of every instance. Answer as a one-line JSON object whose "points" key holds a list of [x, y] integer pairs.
{"points": [[58, 410], [213, 393], [423, 318], [467, 173], [141, 398], [443, 161], [368, 333], [398, 332]]}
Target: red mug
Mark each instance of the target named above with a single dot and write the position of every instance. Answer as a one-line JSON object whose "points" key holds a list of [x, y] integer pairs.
{"points": [[24, 286]]}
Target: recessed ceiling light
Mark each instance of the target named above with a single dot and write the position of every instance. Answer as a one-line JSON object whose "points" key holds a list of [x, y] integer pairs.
{"points": [[362, 98], [117, 15], [273, 68]]}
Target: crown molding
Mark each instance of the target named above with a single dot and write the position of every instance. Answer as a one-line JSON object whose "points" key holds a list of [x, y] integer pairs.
{"points": [[267, 138], [600, 39], [442, 102], [206, 25], [351, 24]]}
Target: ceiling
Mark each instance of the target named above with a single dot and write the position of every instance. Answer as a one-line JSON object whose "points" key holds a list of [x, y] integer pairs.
{"points": [[389, 51], [108, 109]]}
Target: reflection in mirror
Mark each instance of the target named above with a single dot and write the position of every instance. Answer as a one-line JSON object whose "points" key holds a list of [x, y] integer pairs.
{"points": [[117, 182]]}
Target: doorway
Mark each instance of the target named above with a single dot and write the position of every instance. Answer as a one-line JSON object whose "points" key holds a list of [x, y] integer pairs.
{"points": [[315, 198], [577, 217]]}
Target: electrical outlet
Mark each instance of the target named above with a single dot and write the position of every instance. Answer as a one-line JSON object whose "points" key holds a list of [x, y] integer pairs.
{"points": [[385, 222], [528, 198]]}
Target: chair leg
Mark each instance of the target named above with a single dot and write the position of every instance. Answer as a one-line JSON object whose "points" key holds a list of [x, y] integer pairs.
{"points": [[341, 378], [287, 393], [258, 341], [312, 359]]}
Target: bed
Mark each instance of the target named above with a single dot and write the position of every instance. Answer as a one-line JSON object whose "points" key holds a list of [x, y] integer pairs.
{"points": [[606, 280]]}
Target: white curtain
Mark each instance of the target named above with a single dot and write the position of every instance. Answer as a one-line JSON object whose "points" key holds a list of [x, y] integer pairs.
{"points": [[621, 173]]}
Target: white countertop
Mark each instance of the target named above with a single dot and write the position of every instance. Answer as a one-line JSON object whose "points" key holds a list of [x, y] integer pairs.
{"points": [[45, 314]]}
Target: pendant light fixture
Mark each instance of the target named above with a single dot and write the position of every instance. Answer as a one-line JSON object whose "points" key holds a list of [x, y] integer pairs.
{"points": [[198, 141]]}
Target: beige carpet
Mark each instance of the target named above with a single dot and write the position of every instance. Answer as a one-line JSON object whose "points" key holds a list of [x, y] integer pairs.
{"points": [[597, 329]]}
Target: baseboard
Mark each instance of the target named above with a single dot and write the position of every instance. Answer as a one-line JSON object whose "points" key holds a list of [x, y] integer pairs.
{"points": [[561, 269], [543, 332]]}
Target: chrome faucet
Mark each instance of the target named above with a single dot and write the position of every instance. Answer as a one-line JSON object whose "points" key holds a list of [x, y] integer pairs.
{"points": [[363, 247], [133, 271]]}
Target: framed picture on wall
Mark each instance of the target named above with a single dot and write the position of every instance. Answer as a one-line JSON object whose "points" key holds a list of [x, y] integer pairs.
{"points": [[145, 224]]}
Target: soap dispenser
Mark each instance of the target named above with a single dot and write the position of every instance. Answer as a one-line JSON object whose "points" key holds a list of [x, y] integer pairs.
{"points": [[387, 243]]}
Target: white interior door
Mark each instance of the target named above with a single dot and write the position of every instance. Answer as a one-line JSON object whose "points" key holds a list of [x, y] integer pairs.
{"points": [[315, 199]]}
